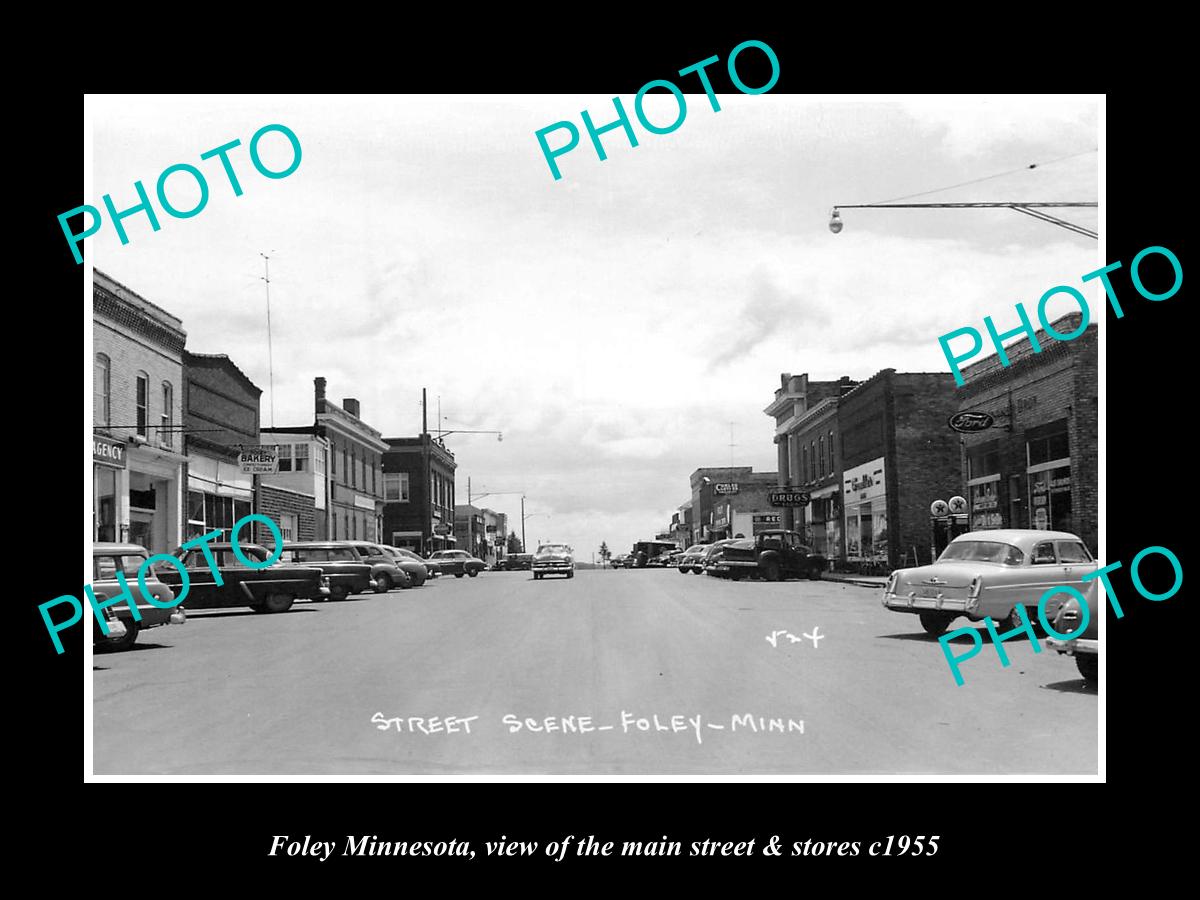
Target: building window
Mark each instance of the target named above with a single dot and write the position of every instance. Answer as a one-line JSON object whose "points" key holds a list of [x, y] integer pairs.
{"points": [[293, 458], [1048, 477], [803, 465], [821, 459], [332, 460], [812, 460], [354, 528], [102, 392], [166, 433], [143, 402], [395, 487], [210, 512], [319, 462], [832, 464]]}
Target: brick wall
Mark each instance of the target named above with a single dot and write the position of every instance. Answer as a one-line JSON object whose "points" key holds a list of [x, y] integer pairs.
{"points": [[927, 459], [128, 354], [275, 500]]}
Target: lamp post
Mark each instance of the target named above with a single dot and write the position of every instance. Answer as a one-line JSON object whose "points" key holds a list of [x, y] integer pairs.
{"points": [[836, 224]]}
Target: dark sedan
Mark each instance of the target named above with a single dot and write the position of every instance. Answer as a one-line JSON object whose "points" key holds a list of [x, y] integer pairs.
{"points": [[272, 589], [458, 563], [346, 573]]}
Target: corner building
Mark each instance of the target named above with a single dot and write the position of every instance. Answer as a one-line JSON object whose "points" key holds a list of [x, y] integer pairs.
{"points": [[1037, 465]]}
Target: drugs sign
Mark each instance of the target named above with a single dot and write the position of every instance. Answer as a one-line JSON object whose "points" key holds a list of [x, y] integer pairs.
{"points": [[789, 498]]}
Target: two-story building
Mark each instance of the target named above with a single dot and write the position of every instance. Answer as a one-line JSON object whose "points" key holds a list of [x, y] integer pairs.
{"points": [[355, 469], [725, 500], [418, 505], [220, 415], [137, 446], [800, 449]]}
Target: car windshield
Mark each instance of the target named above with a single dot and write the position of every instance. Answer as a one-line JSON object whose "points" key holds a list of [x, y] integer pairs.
{"points": [[983, 551], [554, 548]]}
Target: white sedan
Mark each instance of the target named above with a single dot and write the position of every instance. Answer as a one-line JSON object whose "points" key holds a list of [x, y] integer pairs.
{"points": [[993, 573]]}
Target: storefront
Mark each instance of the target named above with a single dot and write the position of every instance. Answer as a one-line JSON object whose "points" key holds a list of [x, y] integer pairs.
{"points": [[108, 485], [864, 498], [1048, 478], [154, 499], [218, 495], [823, 530]]}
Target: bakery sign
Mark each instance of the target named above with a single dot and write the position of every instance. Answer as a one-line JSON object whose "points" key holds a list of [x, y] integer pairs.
{"points": [[259, 460]]}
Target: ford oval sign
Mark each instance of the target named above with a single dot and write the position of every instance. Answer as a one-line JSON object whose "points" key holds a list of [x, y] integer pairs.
{"points": [[969, 422]]}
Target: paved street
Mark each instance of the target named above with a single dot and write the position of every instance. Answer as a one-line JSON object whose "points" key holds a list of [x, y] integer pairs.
{"points": [[232, 692]]}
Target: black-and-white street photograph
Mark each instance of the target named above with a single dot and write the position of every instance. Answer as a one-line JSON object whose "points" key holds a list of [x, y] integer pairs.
{"points": [[528, 435]]}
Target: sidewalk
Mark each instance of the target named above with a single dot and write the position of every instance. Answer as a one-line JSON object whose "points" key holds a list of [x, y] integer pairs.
{"points": [[869, 581]]}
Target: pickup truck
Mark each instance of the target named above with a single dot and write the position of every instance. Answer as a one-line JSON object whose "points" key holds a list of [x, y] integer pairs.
{"points": [[269, 590], [771, 555]]}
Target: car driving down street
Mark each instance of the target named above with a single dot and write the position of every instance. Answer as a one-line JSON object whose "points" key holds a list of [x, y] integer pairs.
{"points": [[553, 559]]}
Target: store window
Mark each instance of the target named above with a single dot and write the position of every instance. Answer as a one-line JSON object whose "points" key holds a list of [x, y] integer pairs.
{"points": [[166, 434], [1048, 453], [210, 512], [102, 393], [143, 402], [104, 486]]}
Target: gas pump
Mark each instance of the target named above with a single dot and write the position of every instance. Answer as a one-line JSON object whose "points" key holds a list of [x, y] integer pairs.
{"points": [[947, 520]]}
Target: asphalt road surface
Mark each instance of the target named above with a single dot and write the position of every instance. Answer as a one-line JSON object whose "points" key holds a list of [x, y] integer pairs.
{"points": [[420, 682]]}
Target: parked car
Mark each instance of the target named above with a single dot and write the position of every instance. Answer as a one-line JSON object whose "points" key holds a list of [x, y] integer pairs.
{"points": [[553, 559], [269, 590], [771, 555], [384, 568], [347, 574], [692, 559], [1086, 647], [458, 563], [713, 555], [992, 573], [107, 560], [644, 551], [518, 562], [412, 564]]}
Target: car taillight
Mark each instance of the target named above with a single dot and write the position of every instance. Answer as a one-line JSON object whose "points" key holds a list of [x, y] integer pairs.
{"points": [[976, 587], [890, 587]]}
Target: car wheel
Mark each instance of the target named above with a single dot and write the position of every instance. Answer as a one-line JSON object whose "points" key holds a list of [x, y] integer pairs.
{"points": [[536, 576], [570, 574], [935, 623], [458, 574], [814, 574], [383, 583], [276, 603], [127, 640], [683, 570], [1010, 621], [697, 570], [1088, 665], [473, 572], [418, 581], [339, 595], [770, 570]]}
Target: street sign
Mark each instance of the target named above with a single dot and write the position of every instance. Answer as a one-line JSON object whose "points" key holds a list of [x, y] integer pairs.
{"points": [[789, 498], [442, 529], [259, 460]]}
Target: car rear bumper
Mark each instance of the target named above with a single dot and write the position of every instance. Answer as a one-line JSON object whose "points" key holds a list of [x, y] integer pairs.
{"points": [[961, 606], [1081, 646]]}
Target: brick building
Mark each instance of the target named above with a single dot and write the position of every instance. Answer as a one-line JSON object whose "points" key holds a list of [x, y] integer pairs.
{"points": [[355, 469], [897, 457], [299, 491], [137, 448], [1037, 465], [815, 438], [220, 414], [725, 501], [418, 506], [795, 398], [469, 533]]}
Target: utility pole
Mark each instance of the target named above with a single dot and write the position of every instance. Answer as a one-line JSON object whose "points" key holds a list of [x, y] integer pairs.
{"points": [[731, 445], [270, 355], [524, 546], [427, 518]]}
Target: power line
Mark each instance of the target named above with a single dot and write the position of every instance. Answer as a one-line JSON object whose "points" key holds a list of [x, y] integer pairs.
{"points": [[990, 177]]}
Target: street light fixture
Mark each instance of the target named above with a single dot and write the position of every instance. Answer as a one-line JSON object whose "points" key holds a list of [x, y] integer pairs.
{"points": [[835, 219]]}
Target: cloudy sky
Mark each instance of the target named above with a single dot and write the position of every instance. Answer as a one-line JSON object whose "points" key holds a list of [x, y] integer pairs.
{"points": [[614, 323]]}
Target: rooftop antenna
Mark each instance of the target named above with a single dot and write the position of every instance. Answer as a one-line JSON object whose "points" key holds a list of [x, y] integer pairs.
{"points": [[270, 354], [731, 445]]}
